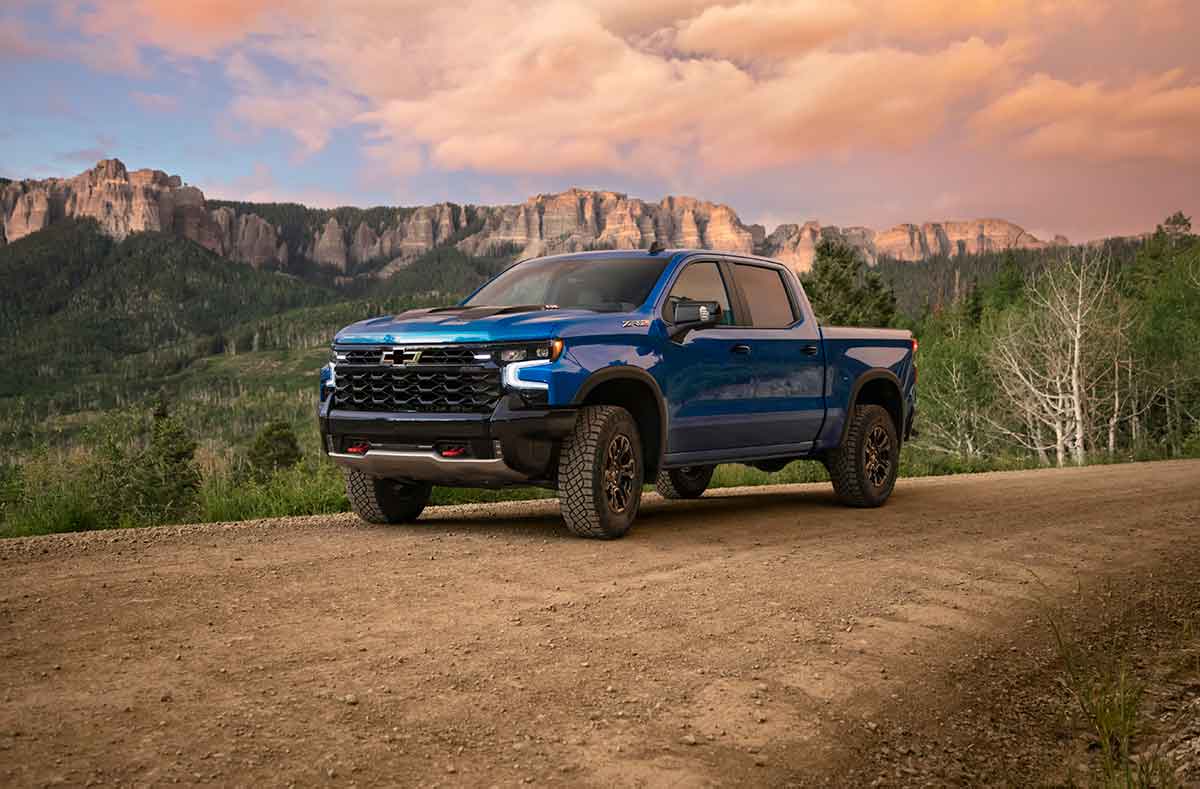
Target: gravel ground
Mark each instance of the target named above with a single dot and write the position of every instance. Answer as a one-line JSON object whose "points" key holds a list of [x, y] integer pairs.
{"points": [[762, 636]]}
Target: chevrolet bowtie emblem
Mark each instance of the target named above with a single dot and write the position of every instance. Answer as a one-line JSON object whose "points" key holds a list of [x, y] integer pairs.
{"points": [[402, 356]]}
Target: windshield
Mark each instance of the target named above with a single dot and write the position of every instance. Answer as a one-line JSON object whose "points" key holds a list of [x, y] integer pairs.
{"points": [[601, 284]]}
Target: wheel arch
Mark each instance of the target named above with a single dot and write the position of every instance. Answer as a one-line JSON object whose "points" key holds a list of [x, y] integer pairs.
{"points": [[635, 390], [877, 387]]}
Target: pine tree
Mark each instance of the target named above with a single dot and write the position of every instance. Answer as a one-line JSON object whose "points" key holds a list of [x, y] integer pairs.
{"points": [[167, 479], [275, 447], [842, 290]]}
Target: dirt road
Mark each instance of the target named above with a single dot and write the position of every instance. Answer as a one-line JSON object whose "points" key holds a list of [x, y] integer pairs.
{"points": [[761, 636]]}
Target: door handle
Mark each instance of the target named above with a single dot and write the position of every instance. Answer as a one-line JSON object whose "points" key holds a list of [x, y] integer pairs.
{"points": [[810, 350], [740, 348]]}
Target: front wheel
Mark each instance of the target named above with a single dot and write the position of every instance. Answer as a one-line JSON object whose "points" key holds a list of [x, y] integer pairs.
{"points": [[600, 473], [864, 467], [385, 500]]}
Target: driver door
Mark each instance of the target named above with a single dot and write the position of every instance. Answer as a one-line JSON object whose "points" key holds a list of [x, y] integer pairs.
{"points": [[708, 377]]}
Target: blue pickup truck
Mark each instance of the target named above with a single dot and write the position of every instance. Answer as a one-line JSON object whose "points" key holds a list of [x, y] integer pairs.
{"points": [[594, 373]]}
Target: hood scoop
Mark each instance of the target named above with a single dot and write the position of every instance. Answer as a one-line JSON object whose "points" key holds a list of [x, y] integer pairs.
{"points": [[474, 313]]}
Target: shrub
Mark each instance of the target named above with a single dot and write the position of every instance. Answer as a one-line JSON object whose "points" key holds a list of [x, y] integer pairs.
{"points": [[275, 447], [309, 488], [166, 478]]}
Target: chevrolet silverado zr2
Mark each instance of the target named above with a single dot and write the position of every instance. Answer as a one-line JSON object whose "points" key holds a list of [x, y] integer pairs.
{"points": [[595, 373]]}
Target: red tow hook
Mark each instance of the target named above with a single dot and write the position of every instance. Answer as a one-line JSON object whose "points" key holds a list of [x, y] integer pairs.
{"points": [[452, 452], [358, 449]]}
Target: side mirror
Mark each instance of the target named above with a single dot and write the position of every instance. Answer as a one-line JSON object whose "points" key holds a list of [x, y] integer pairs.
{"points": [[692, 315]]}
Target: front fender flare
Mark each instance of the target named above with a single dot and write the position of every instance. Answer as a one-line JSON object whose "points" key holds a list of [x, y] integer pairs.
{"points": [[629, 373]]}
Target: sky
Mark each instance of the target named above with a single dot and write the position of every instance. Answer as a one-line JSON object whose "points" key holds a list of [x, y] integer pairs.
{"points": [[1079, 117]]}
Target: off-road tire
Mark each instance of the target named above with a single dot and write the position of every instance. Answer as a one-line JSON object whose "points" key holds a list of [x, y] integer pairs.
{"points": [[378, 500], [684, 483], [848, 464], [582, 499]]}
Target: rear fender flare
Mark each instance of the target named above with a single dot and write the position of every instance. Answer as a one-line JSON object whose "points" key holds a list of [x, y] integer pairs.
{"points": [[863, 380]]}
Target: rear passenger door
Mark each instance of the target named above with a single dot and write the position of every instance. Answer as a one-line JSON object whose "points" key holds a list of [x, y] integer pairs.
{"points": [[788, 405]]}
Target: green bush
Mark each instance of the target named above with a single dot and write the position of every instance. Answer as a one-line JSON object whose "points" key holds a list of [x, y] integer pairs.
{"points": [[306, 488], [275, 447], [165, 479]]}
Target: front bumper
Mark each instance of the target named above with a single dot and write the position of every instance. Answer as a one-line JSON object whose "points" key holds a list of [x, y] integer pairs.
{"points": [[512, 445], [429, 466]]}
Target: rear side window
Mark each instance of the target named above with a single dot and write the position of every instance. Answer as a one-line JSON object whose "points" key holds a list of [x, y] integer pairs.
{"points": [[766, 295], [700, 282]]}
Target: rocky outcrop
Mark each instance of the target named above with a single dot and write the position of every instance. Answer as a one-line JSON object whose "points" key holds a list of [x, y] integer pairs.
{"points": [[796, 244], [580, 219], [381, 242], [247, 238]]}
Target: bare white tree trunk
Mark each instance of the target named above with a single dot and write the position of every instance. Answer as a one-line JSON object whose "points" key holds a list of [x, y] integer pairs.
{"points": [[1115, 416], [1052, 364]]}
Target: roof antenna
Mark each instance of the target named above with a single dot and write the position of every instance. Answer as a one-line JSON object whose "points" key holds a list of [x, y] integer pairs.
{"points": [[657, 247]]}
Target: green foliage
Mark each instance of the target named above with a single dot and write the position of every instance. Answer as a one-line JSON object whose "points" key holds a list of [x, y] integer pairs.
{"points": [[307, 488], [444, 274], [166, 477], [931, 285], [275, 447], [843, 292], [1177, 224], [145, 307], [41, 272], [955, 386]]}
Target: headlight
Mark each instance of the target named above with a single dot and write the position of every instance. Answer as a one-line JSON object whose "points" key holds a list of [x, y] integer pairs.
{"points": [[542, 351], [328, 380], [336, 356]]}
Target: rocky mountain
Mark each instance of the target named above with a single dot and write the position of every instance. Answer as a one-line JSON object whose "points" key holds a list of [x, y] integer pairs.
{"points": [[796, 244], [380, 241]]}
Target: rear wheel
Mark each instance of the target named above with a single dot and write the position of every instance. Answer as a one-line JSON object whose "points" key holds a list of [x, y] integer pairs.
{"points": [[688, 482], [600, 473], [864, 467], [378, 500]]}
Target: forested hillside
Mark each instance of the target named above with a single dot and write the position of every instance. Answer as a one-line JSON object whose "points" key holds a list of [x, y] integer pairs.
{"points": [[90, 323], [1063, 357]]}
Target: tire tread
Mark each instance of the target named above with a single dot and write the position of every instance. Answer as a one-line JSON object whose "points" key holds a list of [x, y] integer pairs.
{"points": [[374, 503], [578, 498], [849, 484]]}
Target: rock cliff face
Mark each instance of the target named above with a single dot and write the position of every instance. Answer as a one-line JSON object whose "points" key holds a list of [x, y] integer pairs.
{"points": [[125, 202], [578, 220], [796, 244]]}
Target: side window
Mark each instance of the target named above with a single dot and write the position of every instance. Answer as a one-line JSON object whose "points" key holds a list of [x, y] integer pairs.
{"points": [[766, 295], [700, 282]]}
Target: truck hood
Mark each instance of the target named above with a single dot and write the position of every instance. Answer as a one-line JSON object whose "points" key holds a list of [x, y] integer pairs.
{"points": [[469, 324]]}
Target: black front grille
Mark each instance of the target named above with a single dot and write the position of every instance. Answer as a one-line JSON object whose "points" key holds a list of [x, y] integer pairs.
{"points": [[388, 354], [444, 379], [448, 355], [372, 355]]}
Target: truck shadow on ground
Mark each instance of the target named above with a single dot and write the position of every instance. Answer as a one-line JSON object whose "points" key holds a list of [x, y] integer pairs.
{"points": [[715, 511]]}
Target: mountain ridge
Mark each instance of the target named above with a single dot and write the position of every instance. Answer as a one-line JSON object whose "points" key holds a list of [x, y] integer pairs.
{"points": [[382, 240]]}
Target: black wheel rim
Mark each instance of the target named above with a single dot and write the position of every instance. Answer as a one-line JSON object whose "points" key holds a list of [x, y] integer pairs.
{"points": [[620, 471], [878, 451]]}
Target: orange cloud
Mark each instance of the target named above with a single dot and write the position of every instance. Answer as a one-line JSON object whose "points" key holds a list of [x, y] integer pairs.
{"points": [[548, 86], [188, 28], [1155, 117], [754, 30]]}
